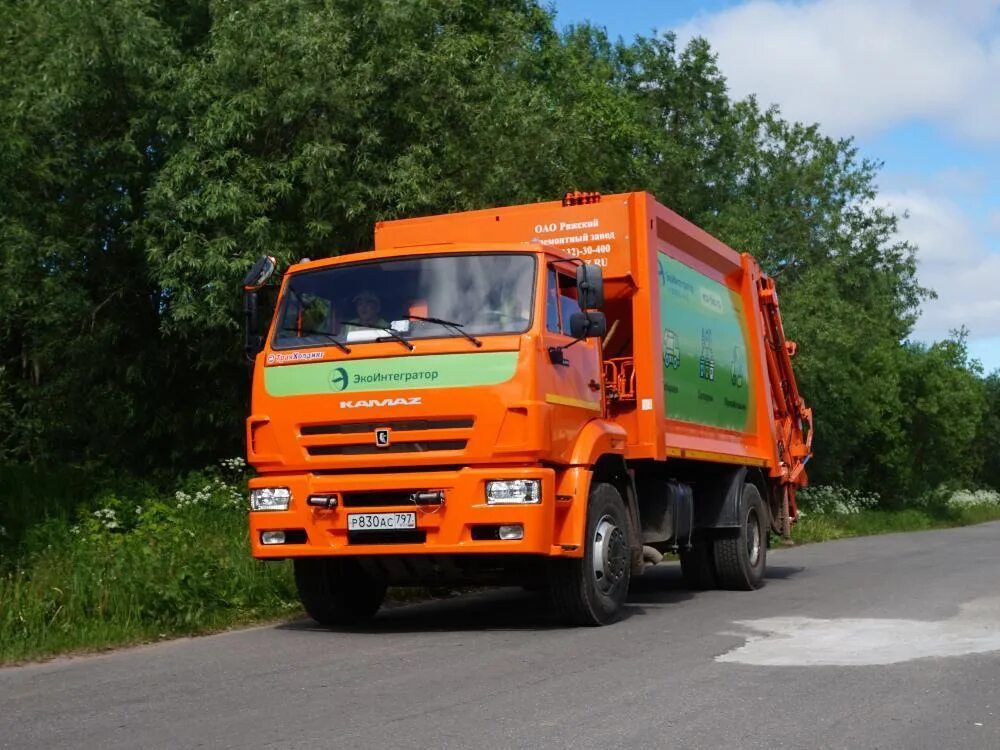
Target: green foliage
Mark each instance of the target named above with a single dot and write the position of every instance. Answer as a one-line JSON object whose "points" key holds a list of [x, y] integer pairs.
{"points": [[945, 402], [139, 567], [868, 523], [149, 150], [833, 500], [832, 512], [989, 434], [33, 495], [90, 373]]}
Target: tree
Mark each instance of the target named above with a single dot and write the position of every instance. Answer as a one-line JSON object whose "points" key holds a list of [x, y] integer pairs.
{"points": [[943, 406], [988, 437], [149, 151], [803, 205], [80, 144]]}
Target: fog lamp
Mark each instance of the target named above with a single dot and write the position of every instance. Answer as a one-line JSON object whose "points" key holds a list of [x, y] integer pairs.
{"points": [[272, 537]]}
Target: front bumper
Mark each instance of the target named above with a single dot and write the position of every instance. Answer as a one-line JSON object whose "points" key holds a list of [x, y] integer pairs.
{"points": [[446, 529]]}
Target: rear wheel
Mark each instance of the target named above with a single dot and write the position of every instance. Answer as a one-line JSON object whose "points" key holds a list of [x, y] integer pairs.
{"points": [[337, 591], [741, 554], [591, 590]]}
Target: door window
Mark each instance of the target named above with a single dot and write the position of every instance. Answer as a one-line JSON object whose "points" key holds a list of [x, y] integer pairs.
{"points": [[561, 301]]}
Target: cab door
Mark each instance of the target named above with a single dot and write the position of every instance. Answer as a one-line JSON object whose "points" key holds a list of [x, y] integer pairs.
{"points": [[572, 389]]}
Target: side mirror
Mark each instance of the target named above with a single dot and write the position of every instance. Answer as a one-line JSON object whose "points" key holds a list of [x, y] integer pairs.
{"points": [[259, 273], [253, 282], [587, 325], [590, 287]]}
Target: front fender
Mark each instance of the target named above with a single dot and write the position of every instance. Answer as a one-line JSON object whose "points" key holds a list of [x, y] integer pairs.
{"points": [[596, 439]]}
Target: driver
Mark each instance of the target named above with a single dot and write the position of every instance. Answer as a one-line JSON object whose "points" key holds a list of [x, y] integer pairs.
{"points": [[367, 306]]}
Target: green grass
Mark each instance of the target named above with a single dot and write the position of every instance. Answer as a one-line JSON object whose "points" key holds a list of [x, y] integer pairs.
{"points": [[823, 528], [135, 570], [29, 496]]}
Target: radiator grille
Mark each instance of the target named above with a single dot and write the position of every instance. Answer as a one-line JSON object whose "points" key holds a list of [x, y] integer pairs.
{"points": [[361, 449], [404, 436], [412, 425]]}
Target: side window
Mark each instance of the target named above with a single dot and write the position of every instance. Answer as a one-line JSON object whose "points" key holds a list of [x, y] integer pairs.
{"points": [[552, 302], [568, 302], [560, 301]]}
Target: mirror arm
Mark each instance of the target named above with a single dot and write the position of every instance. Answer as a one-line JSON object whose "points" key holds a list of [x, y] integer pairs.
{"points": [[556, 352], [252, 341]]}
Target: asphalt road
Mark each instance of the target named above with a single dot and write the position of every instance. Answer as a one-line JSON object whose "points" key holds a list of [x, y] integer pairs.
{"points": [[884, 642]]}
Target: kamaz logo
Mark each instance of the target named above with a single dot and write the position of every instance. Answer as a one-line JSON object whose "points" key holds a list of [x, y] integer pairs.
{"points": [[368, 403]]}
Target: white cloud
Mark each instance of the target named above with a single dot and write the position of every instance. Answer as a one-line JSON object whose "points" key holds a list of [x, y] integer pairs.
{"points": [[858, 67], [958, 180], [953, 261], [937, 226]]}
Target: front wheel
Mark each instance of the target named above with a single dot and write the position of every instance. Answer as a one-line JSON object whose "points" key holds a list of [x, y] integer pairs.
{"points": [[337, 591], [591, 590], [741, 554]]}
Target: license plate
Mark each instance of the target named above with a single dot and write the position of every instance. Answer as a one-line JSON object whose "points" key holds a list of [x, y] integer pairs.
{"points": [[381, 521]]}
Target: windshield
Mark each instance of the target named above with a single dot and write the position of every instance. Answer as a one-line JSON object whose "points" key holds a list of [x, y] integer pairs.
{"points": [[415, 298]]}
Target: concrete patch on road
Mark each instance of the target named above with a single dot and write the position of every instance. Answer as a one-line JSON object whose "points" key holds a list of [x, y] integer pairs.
{"points": [[807, 641]]}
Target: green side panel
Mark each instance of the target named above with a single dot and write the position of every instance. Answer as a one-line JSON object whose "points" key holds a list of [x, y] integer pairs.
{"points": [[390, 374], [704, 333]]}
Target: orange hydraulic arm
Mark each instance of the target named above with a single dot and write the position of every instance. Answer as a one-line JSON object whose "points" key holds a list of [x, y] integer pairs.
{"points": [[793, 419]]}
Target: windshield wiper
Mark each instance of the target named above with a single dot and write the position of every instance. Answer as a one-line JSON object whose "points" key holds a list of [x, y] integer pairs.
{"points": [[392, 334], [313, 332], [457, 327]]}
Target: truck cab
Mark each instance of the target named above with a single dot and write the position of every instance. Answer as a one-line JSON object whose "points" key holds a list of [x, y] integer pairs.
{"points": [[428, 403]]}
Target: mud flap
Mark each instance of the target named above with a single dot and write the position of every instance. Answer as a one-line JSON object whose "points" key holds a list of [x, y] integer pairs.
{"points": [[717, 498], [632, 508]]}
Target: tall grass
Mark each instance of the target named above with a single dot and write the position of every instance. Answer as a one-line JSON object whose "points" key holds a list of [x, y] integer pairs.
{"points": [[834, 512], [138, 568], [30, 495]]}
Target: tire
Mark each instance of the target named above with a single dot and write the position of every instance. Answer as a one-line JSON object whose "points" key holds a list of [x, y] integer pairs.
{"points": [[337, 591], [741, 554], [698, 563], [535, 587], [591, 590]]}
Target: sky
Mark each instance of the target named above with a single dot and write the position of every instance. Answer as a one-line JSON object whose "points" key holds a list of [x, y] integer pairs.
{"points": [[916, 83]]}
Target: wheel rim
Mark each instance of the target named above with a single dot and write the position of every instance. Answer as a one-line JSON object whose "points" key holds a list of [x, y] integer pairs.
{"points": [[753, 537], [610, 556]]}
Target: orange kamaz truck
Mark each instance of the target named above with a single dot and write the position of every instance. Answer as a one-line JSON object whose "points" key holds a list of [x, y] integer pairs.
{"points": [[551, 395]]}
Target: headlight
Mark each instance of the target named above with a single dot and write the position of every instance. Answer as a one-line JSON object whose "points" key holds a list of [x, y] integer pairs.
{"points": [[513, 491], [270, 498]]}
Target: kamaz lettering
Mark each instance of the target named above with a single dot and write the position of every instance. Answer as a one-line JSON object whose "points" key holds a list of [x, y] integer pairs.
{"points": [[369, 403]]}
